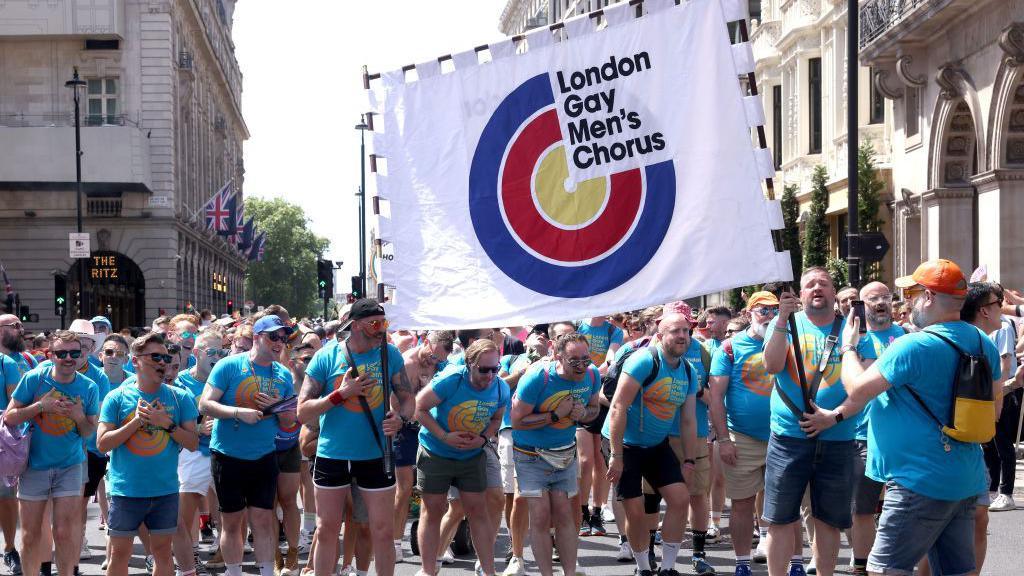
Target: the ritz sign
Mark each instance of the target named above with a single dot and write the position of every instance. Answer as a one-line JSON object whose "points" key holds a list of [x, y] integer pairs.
{"points": [[104, 268]]}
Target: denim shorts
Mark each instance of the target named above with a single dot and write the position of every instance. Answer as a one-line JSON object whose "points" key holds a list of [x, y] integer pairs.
{"points": [[867, 491], [534, 476], [913, 525], [39, 485], [158, 513], [792, 464]]}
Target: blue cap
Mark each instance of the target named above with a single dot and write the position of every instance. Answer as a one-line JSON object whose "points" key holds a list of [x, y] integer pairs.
{"points": [[269, 324], [102, 320]]}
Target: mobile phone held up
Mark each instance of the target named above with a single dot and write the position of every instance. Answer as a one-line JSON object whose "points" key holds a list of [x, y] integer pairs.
{"points": [[858, 311]]}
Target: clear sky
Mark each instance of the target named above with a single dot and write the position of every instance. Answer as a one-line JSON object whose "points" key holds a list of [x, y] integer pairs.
{"points": [[302, 93]]}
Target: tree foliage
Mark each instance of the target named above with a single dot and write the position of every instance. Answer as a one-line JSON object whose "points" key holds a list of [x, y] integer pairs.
{"points": [[287, 274], [791, 233], [816, 232], [869, 186]]}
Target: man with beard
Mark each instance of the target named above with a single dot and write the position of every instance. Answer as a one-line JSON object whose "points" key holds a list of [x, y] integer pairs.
{"points": [[243, 459], [195, 480], [144, 427], [420, 366], [13, 365], [102, 329], [932, 480], [63, 406], [880, 335], [741, 414], [794, 459]]}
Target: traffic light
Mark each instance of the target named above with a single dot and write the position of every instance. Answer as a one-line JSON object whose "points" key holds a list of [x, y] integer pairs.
{"points": [[231, 307], [325, 278], [60, 291], [357, 287], [24, 315]]}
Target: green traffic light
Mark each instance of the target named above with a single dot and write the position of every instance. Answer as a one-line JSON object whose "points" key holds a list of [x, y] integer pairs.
{"points": [[323, 284], [60, 299]]}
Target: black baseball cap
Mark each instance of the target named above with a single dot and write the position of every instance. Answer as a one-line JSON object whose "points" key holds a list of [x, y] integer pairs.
{"points": [[364, 308]]}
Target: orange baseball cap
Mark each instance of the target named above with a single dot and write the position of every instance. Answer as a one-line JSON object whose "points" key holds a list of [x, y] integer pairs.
{"points": [[938, 275], [762, 298]]}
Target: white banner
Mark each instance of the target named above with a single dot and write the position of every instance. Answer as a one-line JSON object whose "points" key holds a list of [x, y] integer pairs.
{"points": [[602, 173]]}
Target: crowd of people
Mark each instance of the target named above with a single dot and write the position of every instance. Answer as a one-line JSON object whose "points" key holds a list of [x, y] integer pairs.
{"points": [[813, 411]]}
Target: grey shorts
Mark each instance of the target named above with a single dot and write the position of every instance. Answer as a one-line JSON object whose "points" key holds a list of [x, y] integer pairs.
{"points": [[359, 512], [437, 474], [866, 491], [39, 485], [494, 472]]}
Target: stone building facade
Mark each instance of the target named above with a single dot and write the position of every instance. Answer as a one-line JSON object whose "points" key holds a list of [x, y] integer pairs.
{"points": [[161, 131], [954, 71]]}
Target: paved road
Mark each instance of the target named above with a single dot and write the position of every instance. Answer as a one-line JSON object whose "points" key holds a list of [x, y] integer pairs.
{"points": [[1006, 533]]}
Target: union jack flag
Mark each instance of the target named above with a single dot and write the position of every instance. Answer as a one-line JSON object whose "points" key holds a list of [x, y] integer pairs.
{"points": [[219, 210], [256, 252], [238, 225], [245, 235]]}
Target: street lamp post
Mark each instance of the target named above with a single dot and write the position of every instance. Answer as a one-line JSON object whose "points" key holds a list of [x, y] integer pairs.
{"points": [[362, 127], [853, 252], [75, 83]]}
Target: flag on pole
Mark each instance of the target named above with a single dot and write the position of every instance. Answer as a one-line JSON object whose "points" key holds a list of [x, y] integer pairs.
{"points": [[218, 214], [231, 205], [610, 171], [238, 224], [246, 235], [256, 251]]}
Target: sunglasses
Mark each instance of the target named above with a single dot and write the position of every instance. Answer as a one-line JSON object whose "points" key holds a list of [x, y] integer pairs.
{"points": [[772, 310], [276, 336], [377, 324], [187, 335], [109, 352], [488, 369], [221, 352], [62, 354], [577, 361], [158, 357]]}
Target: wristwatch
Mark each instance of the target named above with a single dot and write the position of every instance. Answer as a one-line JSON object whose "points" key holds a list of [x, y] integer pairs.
{"points": [[839, 417], [554, 417], [846, 348], [170, 429]]}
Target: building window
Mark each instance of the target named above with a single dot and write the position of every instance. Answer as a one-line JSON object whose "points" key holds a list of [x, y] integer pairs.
{"points": [[877, 102], [777, 125], [102, 102], [814, 105], [913, 111]]}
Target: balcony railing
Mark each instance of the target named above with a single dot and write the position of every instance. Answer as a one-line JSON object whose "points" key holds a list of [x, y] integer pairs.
{"points": [[877, 16], [103, 207], [55, 119]]}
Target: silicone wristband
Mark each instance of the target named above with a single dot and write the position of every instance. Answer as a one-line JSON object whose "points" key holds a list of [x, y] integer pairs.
{"points": [[335, 397]]}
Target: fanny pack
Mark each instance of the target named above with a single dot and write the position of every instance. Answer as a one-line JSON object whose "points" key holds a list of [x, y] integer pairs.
{"points": [[558, 458]]}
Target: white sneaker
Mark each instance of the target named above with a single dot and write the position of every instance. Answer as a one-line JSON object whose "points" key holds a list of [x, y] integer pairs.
{"points": [[1002, 503], [761, 552], [86, 553], [399, 553], [448, 558], [625, 553], [713, 534], [516, 567], [344, 570]]}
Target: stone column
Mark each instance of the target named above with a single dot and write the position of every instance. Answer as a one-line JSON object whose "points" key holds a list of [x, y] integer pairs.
{"points": [[1000, 218], [947, 225]]}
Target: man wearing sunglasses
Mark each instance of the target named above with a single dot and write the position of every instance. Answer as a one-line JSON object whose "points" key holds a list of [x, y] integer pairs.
{"points": [[548, 404], [195, 480], [62, 405], [242, 450], [741, 413], [182, 330], [144, 427], [421, 364], [459, 413], [353, 411], [13, 364]]}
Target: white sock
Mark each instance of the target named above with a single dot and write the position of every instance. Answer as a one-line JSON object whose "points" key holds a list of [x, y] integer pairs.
{"points": [[308, 521], [763, 530], [267, 568], [669, 552], [236, 569], [642, 562]]}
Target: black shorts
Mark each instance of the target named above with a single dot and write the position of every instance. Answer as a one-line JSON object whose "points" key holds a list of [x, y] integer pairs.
{"points": [[368, 474], [657, 464], [866, 491], [97, 469], [406, 443], [242, 484], [289, 461], [597, 424]]}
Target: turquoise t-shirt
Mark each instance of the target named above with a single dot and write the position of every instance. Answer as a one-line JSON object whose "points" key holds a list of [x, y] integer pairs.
{"points": [[879, 341], [240, 379], [748, 398], [146, 465], [194, 387], [905, 444], [543, 389], [344, 432], [830, 393], [12, 368], [510, 363], [462, 408], [56, 442], [693, 356], [601, 338], [659, 401]]}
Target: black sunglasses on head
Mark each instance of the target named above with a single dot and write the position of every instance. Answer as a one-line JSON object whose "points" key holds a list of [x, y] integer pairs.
{"points": [[62, 354]]}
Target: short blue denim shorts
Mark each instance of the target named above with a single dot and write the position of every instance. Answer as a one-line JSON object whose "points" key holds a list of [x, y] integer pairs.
{"points": [[158, 513], [535, 476], [794, 463]]}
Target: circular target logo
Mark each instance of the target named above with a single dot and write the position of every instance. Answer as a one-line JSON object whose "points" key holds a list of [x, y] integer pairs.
{"points": [[568, 242]]}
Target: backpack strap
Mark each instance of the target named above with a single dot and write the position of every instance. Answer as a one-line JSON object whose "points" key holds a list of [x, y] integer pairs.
{"points": [[362, 399], [830, 344], [809, 393]]}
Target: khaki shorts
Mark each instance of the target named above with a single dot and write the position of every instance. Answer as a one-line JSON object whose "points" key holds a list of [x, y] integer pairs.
{"points": [[701, 480], [746, 478]]}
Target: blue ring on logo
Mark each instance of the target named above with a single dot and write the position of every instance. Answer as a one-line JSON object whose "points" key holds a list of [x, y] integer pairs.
{"points": [[505, 251]]}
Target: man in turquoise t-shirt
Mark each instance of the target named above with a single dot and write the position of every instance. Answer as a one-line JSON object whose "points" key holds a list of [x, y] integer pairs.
{"points": [[344, 384], [932, 481], [741, 398], [795, 460], [459, 412], [144, 427], [62, 406], [242, 451], [636, 431], [14, 363], [549, 402]]}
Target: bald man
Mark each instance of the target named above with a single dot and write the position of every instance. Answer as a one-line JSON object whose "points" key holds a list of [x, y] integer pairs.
{"points": [[14, 364]]}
